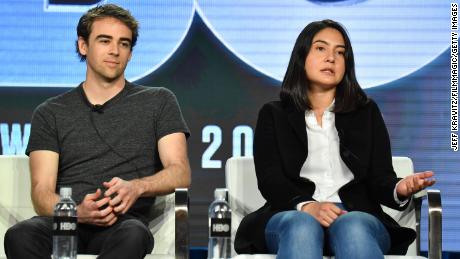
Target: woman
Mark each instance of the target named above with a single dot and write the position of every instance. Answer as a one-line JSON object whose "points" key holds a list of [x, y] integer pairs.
{"points": [[323, 162]]}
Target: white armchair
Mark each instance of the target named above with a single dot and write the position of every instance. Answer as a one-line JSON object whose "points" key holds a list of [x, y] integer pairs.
{"points": [[170, 213], [244, 197]]}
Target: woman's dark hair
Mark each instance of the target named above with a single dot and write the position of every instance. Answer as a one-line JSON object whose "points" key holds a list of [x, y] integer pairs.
{"points": [[349, 94], [85, 23]]}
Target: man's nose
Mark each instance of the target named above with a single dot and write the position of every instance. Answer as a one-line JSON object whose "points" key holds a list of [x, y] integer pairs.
{"points": [[114, 49]]}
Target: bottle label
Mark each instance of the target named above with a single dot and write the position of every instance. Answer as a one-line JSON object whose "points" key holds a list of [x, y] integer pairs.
{"points": [[64, 226], [220, 227]]}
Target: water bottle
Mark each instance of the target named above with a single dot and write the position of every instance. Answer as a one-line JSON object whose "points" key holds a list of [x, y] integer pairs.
{"points": [[65, 226], [220, 245]]}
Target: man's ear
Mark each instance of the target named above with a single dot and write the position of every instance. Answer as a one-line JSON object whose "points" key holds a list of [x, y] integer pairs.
{"points": [[82, 46]]}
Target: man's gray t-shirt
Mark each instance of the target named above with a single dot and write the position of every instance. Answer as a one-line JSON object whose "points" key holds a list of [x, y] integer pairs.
{"points": [[119, 140]]}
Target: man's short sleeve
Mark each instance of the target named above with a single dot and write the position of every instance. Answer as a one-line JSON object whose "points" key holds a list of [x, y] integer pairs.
{"points": [[43, 134], [170, 119]]}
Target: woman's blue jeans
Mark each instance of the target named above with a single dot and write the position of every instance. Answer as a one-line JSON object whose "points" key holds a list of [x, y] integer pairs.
{"points": [[297, 234]]}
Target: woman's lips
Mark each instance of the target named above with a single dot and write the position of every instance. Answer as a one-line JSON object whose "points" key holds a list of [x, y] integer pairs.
{"points": [[328, 71]]}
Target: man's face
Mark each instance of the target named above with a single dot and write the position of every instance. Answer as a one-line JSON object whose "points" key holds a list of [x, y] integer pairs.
{"points": [[108, 49]]}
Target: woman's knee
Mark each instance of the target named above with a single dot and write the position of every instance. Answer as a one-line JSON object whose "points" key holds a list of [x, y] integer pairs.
{"points": [[359, 232], [298, 224], [356, 223], [292, 234]]}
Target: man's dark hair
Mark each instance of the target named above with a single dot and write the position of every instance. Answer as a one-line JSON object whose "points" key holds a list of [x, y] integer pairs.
{"points": [[295, 86], [85, 23]]}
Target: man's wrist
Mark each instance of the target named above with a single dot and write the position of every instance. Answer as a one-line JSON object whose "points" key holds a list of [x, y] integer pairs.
{"points": [[139, 186], [79, 218]]}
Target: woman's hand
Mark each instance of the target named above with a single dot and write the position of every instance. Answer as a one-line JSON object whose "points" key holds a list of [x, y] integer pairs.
{"points": [[324, 212], [414, 183]]}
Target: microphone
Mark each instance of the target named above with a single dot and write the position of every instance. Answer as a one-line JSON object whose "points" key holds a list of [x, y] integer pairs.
{"points": [[97, 108]]}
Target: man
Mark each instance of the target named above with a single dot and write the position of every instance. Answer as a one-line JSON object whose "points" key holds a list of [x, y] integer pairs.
{"points": [[118, 145]]}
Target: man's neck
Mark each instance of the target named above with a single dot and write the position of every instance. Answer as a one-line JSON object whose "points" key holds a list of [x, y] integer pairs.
{"points": [[99, 92]]}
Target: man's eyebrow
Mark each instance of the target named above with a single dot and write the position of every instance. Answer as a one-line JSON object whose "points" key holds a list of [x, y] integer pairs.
{"points": [[126, 39], [327, 43], [104, 36]]}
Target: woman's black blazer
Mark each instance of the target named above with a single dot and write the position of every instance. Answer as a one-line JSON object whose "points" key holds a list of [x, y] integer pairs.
{"points": [[281, 148]]}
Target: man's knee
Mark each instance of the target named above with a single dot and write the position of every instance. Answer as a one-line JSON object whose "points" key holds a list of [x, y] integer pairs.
{"points": [[27, 233], [14, 236], [25, 230], [135, 232]]}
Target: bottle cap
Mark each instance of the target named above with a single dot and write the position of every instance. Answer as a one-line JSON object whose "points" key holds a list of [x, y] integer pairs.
{"points": [[220, 194], [65, 192]]}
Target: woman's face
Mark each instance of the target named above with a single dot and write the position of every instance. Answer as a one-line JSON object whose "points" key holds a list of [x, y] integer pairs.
{"points": [[325, 62]]}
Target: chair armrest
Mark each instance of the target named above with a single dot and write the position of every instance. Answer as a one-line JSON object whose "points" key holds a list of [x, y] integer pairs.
{"points": [[434, 221], [181, 223], [420, 194], [434, 224]]}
